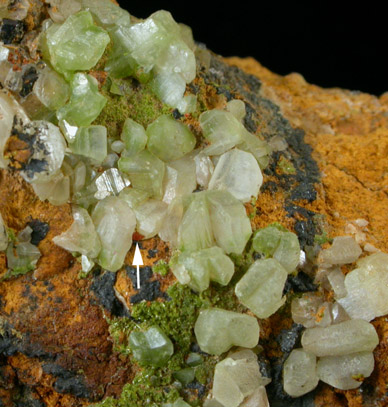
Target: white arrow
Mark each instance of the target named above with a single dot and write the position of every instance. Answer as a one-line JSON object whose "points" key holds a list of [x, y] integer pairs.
{"points": [[137, 261]]}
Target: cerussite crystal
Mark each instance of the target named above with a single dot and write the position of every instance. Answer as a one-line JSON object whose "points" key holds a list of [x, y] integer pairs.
{"points": [[300, 373], [217, 330], [346, 372], [151, 347], [346, 337], [261, 288]]}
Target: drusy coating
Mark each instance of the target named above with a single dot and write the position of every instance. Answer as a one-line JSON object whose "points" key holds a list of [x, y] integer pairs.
{"points": [[152, 347]]}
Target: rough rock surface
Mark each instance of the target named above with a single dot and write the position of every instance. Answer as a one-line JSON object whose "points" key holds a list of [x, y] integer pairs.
{"points": [[55, 348]]}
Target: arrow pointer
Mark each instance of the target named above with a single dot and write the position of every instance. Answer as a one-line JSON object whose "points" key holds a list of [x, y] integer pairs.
{"points": [[137, 261]]}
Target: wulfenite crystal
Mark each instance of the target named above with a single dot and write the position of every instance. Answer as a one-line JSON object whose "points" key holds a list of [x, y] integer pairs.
{"points": [[346, 337], [197, 268], [261, 287], [346, 372], [77, 44], [81, 237], [151, 347], [115, 223], [169, 139], [217, 330], [300, 373]]}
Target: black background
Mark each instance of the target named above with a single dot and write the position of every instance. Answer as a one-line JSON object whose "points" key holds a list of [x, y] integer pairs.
{"points": [[329, 44]]}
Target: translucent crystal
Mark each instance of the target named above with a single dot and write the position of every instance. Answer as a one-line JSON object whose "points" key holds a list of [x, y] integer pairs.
{"points": [[180, 178], [134, 137], [311, 310], [48, 150], [86, 264], [237, 172], [344, 250], [177, 403], [197, 268], [150, 216], [77, 44], [259, 148], [110, 182], [236, 377], [338, 314], [169, 139], [237, 108], [56, 190], [185, 376], [217, 330], [3, 235], [337, 281], [300, 373], [85, 102], [346, 337], [261, 287], [61, 9], [81, 237], [288, 251], [230, 223], [115, 223], [133, 197], [151, 347], [170, 227], [117, 146], [145, 171], [204, 169], [188, 104], [345, 372], [91, 142], [106, 13], [266, 240], [367, 288], [257, 399], [222, 129]]}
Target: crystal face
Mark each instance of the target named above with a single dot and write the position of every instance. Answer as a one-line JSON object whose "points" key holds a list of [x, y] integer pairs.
{"points": [[91, 142], [217, 330], [3, 235], [151, 347], [134, 137]]}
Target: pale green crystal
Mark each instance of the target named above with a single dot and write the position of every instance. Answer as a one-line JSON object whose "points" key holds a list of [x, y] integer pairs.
{"points": [[266, 240], [91, 142], [237, 377], [170, 227], [151, 347], [341, 372], [237, 172], [115, 223], [133, 197], [134, 137], [185, 376], [77, 44], [259, 148], [204, 168], [177, 403], [300, 373], [169, 139], [217, 330], [367, 288], [110, 182], [56, 190], [261, 287], [346, 337], [237, 108], [3, 235], [85, 102], [146, 172], [150, 216], [288, 251], [196, 269], [169, 88], [106, 13], [81, 237]]}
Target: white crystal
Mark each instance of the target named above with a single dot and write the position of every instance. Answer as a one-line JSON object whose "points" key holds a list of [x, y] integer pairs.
{"points": [[56, 190], [257, 399], [170, 227], [110, 182], [170, 88], [300, 373], [342, 372], [86, 264], [237, 172], [344, 250], [204, 168], [337, 281], [150, 216]]}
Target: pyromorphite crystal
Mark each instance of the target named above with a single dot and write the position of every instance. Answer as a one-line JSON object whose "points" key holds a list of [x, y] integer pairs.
{"points": [[106, 13], [81, 236], [145, 171], [115, 223], [133, 196], [344, 250], [197, 268], [217, 330], [177, 403], [169, 139], [85, 102], [237, 377], [151, 347], [150, 216], [266, 240], [345, 372], [134, 137], [91, 142], [237, 172], [346, 337], [77, 44], [261, 288]]}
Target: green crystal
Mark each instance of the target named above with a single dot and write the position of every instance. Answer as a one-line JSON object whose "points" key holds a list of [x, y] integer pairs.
{"points": [[261, 287], [194, 359], [134, 137], [77, 44], [133, 197], [185, 376], [91, 142], [169, 139], [151, 347], [177, 403], [106, 13], [217, 330], [197, 268], [85, 104], [266, 240], [145, 171]]}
